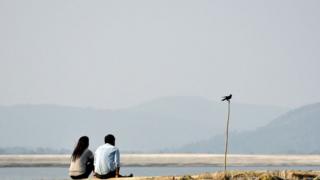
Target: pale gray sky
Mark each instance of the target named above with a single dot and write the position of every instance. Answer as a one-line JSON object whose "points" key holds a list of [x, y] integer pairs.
{"points": [[111, 54]]}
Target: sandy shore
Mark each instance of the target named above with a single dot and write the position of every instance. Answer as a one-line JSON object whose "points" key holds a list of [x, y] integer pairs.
{"points": [[168, 160]]}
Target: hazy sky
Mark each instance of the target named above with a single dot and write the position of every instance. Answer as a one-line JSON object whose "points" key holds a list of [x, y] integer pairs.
{"points": [[111, 54]]}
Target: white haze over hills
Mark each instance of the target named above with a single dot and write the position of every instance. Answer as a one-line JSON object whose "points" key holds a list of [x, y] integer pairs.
{"points": [[153, 126], [112, 55]]}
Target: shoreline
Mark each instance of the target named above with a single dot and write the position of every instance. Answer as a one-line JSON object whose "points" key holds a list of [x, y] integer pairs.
{"points": [[168, 160]]}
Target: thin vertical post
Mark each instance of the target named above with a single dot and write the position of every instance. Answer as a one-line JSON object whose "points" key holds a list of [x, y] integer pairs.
{"points": [[226, 145]]}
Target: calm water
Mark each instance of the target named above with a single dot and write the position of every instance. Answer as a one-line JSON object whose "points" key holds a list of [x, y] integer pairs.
{"points": [[59, 173]]}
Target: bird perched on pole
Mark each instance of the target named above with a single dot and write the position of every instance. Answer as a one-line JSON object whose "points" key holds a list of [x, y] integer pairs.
{"points": [[226, 98]]}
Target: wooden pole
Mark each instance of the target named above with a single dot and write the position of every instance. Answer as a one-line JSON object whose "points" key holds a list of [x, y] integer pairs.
{"points": [[226, 145]]}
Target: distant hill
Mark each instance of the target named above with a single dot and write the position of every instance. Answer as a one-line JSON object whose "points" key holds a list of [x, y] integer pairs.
{"points": [[23, 150], [151, 126], [294, 132]]}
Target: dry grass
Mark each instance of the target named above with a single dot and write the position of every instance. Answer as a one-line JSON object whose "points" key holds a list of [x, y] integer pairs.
{"points": [[241, 175]]}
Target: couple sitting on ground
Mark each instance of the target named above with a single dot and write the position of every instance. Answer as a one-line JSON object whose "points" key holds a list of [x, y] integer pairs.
{"points": [[105, 163]]}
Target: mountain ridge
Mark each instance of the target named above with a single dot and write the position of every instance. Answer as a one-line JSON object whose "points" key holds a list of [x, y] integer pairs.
{"points": [[291, 133], [149, 127]]}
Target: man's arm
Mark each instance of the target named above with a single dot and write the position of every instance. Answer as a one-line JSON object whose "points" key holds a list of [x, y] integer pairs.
{"points": [[118, 172], [117, 163]]}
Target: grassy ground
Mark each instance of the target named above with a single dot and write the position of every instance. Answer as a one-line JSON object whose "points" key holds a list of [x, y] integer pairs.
{"points": [[241, 175]]}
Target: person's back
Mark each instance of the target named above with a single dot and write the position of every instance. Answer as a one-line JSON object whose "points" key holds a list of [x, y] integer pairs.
{"points": [[106, 159], [79, 165]]}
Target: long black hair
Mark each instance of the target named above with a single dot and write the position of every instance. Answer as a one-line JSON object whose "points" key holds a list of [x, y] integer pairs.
{"points": [[82, 145]]}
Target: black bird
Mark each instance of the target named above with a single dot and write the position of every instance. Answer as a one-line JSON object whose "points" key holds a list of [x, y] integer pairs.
{"points": [[227, 97]]}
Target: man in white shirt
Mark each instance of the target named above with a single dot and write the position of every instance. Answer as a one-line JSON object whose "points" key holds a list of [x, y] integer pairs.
{"points": [[107, 159]]}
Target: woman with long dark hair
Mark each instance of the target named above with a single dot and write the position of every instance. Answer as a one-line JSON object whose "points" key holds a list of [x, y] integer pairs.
{"points": [[81, 160]]}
